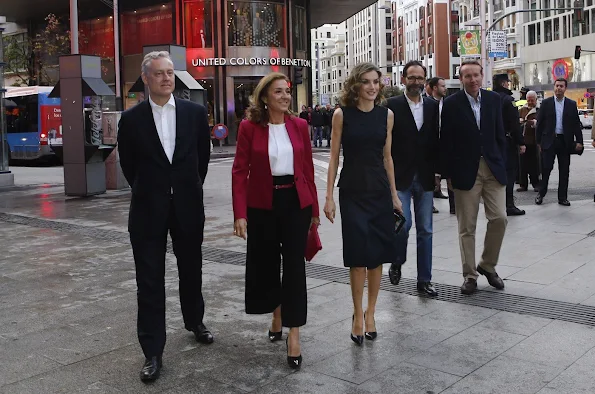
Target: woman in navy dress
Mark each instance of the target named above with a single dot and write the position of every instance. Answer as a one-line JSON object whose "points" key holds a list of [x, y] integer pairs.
{"points": [[367, 191]]}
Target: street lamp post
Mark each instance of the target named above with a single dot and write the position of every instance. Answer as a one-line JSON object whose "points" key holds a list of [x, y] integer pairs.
{"points": [[74, 27]]}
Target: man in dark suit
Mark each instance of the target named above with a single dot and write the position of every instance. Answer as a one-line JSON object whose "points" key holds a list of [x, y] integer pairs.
{"points": [[558, 127], [164, 146], [416, 158], [514, 137], [473, 147]]}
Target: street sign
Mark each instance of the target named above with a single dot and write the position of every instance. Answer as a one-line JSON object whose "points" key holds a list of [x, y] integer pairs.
{"points": [[470, 43], [220, 131], [497, 44]]}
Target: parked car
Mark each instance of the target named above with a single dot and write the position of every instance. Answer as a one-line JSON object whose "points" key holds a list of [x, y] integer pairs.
{"points": [[586, 116]]}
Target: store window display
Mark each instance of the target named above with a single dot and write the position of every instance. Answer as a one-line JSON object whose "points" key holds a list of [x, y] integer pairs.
{"points": [[198, 23], [253, 23]]}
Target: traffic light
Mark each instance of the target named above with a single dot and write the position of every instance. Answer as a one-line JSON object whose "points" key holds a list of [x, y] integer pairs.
{"points": [[577, 52], [579, 12], [298, 75]]}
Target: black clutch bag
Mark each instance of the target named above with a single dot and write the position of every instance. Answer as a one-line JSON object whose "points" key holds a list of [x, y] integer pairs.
{"points": [[399, 221]]}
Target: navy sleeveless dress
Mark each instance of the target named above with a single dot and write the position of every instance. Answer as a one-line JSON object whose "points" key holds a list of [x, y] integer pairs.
{"points": [[365, 201]]}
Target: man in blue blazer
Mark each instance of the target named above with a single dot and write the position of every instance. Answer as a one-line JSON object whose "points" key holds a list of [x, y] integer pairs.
{"points": [[558, 134], [473, 151]]}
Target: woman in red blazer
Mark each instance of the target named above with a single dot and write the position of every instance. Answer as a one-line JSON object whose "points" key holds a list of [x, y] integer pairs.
{"points": [[274, 195]]}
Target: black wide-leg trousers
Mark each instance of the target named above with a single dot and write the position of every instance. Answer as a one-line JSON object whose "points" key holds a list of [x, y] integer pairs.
{"points": [[149, 259], [278, 235]]}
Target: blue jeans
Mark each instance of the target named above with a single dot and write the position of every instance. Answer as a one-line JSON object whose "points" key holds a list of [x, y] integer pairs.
{"points": [[317, 135], [422, 202]]}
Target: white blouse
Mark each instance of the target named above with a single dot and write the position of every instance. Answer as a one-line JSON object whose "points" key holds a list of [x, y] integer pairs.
{"points": [[280, 150]]}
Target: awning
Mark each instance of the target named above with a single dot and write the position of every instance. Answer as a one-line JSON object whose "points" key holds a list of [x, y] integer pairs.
{"points": [[183, 81], [9, 103], [91, 87]]}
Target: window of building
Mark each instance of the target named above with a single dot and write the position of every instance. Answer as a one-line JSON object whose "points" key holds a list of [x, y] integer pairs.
{"points": [[253, 23], [514, 50], [300, 29], [556, 29], [547, 27], [198, 23], [565, 26], [531, 34], [328, 34], [388, 23]]}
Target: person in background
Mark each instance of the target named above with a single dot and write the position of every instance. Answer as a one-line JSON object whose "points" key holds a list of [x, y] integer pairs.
{"points": [[367, 191], [304, 113], [317, 124], [328, 120], [439, 92], [530, 166], [558, 135], [274, 197], [514, 138]]}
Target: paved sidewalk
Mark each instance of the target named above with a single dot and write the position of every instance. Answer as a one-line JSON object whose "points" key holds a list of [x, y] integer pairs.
{"points": [[68, 310]]}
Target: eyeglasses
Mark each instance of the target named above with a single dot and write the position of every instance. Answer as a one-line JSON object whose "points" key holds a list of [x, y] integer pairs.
{"points": [[416, 79]]}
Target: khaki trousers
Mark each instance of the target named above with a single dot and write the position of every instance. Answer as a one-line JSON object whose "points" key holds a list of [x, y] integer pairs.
{"points": [[467, 203]]}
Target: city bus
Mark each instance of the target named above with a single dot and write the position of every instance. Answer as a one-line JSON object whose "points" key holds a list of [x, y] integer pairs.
{"points": [[33, 122]]}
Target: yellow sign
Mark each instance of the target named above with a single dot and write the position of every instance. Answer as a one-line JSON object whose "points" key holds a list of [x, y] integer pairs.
{"points": [[470, 43]]}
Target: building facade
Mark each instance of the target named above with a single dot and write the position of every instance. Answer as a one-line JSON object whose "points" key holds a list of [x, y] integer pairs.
{"points": [[369, 39], [328, 63], [427, 31], [548, 53]]}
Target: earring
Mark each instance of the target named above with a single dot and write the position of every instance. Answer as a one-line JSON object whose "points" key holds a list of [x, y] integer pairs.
{"points": [[266, 107]]}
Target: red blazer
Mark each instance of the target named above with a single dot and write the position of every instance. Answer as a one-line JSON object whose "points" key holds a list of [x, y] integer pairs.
{"points": [[252, 181]]}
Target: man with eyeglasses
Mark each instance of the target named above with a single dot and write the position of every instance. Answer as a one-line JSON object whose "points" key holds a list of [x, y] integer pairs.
{"points": [[416, 159]]}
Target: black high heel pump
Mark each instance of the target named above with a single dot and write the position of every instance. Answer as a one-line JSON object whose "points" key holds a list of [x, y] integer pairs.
{"points": [[358, 339], [275, 336], [293, 362], [370, 335]]}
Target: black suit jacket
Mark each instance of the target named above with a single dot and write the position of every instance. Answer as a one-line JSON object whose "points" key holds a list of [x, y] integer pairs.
{"points": [[546, 124], [151, 175], [463, 143], [415, 151]]}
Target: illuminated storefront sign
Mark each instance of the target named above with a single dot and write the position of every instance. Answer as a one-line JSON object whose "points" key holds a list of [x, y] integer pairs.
{"points": [[250, 61]]}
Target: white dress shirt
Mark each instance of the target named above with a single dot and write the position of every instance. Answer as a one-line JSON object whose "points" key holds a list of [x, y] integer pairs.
{"points": [[280, 150], [417, 110], [165, 122], [559, 115], [475, 107]]}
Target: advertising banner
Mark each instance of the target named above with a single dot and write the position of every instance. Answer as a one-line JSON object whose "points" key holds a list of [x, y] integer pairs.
{"points": [[498, 44], [470, 43]]}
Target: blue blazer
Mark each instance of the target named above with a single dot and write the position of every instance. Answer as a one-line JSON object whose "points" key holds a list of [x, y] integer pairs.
{"points": [[463, 144]]}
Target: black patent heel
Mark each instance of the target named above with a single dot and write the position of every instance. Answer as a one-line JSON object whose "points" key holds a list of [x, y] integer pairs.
{"points": [[370, 335], [293, 362], [358, 339], [275, 336]]}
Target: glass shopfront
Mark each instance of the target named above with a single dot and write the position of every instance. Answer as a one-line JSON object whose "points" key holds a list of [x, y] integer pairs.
{"points": [[254, 23]]}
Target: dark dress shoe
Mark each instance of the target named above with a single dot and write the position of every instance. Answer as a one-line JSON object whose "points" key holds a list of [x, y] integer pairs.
{"points": [[203, 335], [438, 194], [539, 200], [565, 203], [275, 336], [493, 279], [514, 211], [469, 286], [427, 288], [434, 210], [394, 273], [522, 189], [453, 212], [151, 369]]}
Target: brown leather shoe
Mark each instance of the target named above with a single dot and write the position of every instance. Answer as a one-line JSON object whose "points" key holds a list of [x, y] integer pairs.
{"points": [[493, 279], [469, 286]]}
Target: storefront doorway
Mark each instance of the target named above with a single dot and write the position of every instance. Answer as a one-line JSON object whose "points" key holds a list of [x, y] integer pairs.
{"points": [[243, 89]]}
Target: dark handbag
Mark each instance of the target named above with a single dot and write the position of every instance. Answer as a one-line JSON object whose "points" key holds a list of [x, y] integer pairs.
{"points": [[399, 221], [313, 244]]}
